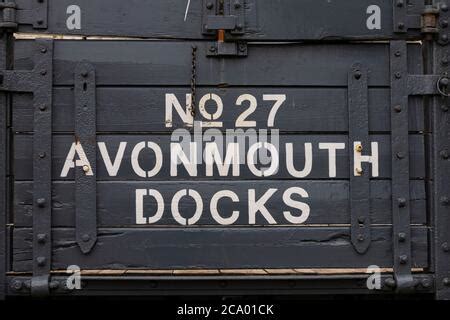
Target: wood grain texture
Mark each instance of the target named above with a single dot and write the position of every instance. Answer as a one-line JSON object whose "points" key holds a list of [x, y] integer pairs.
{"points": [[213, 248]]}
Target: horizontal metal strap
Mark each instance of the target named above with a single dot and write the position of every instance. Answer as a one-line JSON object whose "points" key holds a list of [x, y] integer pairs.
{"points": [[17, 81], [221, 22], [426, 84]]}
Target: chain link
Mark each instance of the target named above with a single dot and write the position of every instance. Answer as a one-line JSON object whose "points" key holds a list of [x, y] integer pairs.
{"points": [[193, 80]]}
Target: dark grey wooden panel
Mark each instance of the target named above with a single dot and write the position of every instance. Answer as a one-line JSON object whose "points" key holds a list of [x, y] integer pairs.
{"points": [[62, 145], [143, 109], [265, 19], [329, 202], [168, 63], [220, 248]]}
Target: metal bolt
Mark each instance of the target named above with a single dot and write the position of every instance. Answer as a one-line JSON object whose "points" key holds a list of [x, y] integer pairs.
{"points": [[444, 154], [209, 5], [237, 5], [398, 108], [362, 220], [402, 237], [401, 25], [401, 202], [41, 202], [444, 82], [86, 237], [403, 259], [212, 49], [239, 26], [361, 238], [358, 74], [86, 168], [359, 171], [41, 238], [445, 247], [399, 3], [84, 74], [17, 285], [42, 155], [43, 72], [358, 148], [242, 47], [398, 75], [444, 23], [444, 7], [400, 155], [445, 201], [426, 283], [444, 61], [444, 108], [398, 53], [42, 107], [444, 37], [390, 282], [446, 282], [44, 50], [41, 261]]}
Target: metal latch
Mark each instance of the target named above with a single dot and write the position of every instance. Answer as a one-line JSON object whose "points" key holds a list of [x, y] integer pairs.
{"points": [[225, 15]]}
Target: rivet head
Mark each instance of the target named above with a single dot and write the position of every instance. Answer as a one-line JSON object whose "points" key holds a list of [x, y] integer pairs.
{"points": [[399, 3], [359, 171], [445, 247], [40, 22], [401, 25], [445, 201], [41, 202], [209, 5], [401, 202], [86, 168], [17, 285], [212, 49], [444, 108], [84, 74], [400, 155], [237, 5], [444, 23], [361, 220], [398, 53], [398, 75], [42, 238], [444, 61], [398, 108], [390, 282], [402, 237], [85, 237], [42, 107], [446, 282], [403, 259], [358, 148], [444, 82], [42, 155], [444, 37], [41, 261], [444, 7], [361, 238], [43, 72], [444, 154], [43, 50], [426, 283], [358, 75]]}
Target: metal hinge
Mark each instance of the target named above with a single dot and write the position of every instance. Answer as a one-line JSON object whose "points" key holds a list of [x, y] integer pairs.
{"points": [[426, 22], [12, 16]]}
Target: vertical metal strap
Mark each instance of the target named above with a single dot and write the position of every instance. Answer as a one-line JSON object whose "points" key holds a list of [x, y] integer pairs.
{"points": [[3, 169], [399, 14], [358, 140], [42, 167], [400, 166], [441, 161], [85, 177]]}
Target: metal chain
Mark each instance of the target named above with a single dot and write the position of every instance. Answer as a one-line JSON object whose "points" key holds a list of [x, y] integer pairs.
{"points": [[193, 80]]}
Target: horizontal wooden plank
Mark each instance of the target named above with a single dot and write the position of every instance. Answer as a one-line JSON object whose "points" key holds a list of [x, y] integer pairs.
{"points": [[144, 109], [264, 19], [220, 248], [116, 202], [147, 159], [160, 63]]}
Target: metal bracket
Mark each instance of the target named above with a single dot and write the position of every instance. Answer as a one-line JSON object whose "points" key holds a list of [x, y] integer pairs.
{"points": [[359, 135], [39, 81], [401, 220], [441, 160], [12, 16], [426, 22], [227, 49], [223, 15], [85, 178]]}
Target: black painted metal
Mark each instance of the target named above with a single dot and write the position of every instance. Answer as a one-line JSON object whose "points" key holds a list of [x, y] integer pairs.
{"points": [[441, 162], [42, 174], [400, 167], [359, 187], [14, 14], [86, 137], [402, 21]]}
